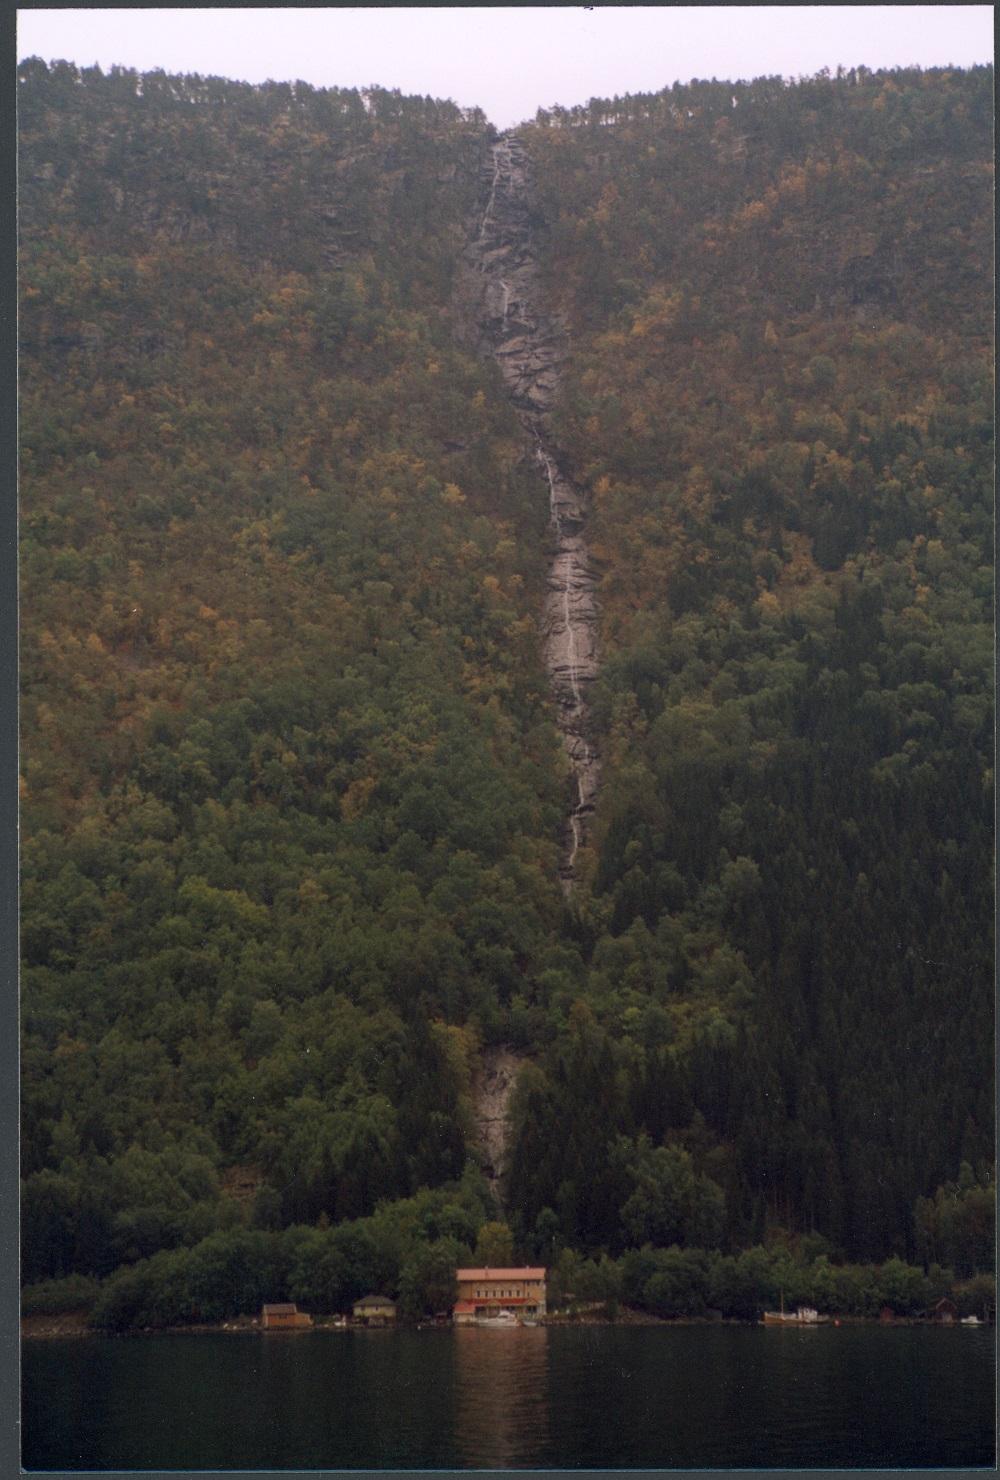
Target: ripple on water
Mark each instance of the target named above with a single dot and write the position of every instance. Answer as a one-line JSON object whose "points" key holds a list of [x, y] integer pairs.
{"points": [[571, 1398], [501, 1396]]}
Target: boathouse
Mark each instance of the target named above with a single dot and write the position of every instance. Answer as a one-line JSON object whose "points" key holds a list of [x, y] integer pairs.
{"points": [[374, 1310], [486, 1292], [284, 1317]]}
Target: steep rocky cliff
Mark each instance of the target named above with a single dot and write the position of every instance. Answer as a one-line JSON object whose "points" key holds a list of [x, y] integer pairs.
{"points": [[529, 345]]}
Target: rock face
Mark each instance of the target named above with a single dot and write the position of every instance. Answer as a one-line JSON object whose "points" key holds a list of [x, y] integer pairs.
{"points": [[528, 345], [494, 1084]]}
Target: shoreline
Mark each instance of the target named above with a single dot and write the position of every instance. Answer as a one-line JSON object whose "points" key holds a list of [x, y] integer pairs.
{"points": [[73, 1324]]}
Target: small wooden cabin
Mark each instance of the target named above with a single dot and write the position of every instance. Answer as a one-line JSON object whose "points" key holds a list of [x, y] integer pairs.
{"points": [[944, 1310], [284, 1317], [375, 1310]]}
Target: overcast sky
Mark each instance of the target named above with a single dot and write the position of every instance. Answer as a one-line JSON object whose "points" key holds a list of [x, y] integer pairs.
{"points": [[511, 61]]}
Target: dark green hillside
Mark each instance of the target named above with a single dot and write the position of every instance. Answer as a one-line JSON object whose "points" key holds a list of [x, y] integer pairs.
{"points": [[780, 402], [292, 791], [291, 787]]}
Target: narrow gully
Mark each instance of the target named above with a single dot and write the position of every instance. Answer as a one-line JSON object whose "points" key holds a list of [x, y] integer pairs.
{"points": [[527, 343]]}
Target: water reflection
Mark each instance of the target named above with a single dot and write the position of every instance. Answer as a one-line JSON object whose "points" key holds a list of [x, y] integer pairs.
{"points": [[501, 1396], [694, 1397]]}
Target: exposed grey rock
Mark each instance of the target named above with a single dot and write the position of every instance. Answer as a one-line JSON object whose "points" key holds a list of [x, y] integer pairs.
{"points": [[528, 343], [492, 1088]]}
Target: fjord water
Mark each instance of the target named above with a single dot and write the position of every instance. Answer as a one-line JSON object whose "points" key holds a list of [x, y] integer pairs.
{"points": [[597, 1397]]}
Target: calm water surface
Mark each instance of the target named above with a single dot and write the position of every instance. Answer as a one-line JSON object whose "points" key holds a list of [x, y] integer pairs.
{"points": [[591, 1397]]}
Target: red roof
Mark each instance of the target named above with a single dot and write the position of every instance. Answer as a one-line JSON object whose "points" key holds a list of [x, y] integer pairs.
{"points": [[464, 1308], [525, 1273]]}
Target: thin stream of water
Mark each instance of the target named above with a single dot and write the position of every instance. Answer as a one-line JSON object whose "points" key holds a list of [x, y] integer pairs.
{"points": [[529, 362], [493, 195]]}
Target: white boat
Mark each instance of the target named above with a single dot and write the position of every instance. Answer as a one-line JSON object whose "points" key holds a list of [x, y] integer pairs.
{"points": [[971, 1321], [805, 1315], [502, 1318]]}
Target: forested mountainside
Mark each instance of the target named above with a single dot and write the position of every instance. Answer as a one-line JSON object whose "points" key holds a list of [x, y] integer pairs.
{"points": [[293, 789], [780, 405]]}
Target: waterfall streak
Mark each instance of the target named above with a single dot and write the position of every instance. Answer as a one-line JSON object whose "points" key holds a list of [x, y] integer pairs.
{"points": [[493, 195], [529, 362]]}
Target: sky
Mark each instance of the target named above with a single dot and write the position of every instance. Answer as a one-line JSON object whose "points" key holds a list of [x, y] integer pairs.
{"points": [[507, 61]]}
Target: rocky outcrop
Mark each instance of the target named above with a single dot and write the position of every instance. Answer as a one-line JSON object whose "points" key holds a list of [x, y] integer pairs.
{"points": [[491, 1091], [528, 344]]}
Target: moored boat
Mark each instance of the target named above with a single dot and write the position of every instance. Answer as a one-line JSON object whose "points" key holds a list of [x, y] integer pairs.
{"points": [[502, 1318], [803, 1315]]}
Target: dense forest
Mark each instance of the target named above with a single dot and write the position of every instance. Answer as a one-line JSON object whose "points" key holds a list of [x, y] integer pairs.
{"points": [[292, 790]]}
